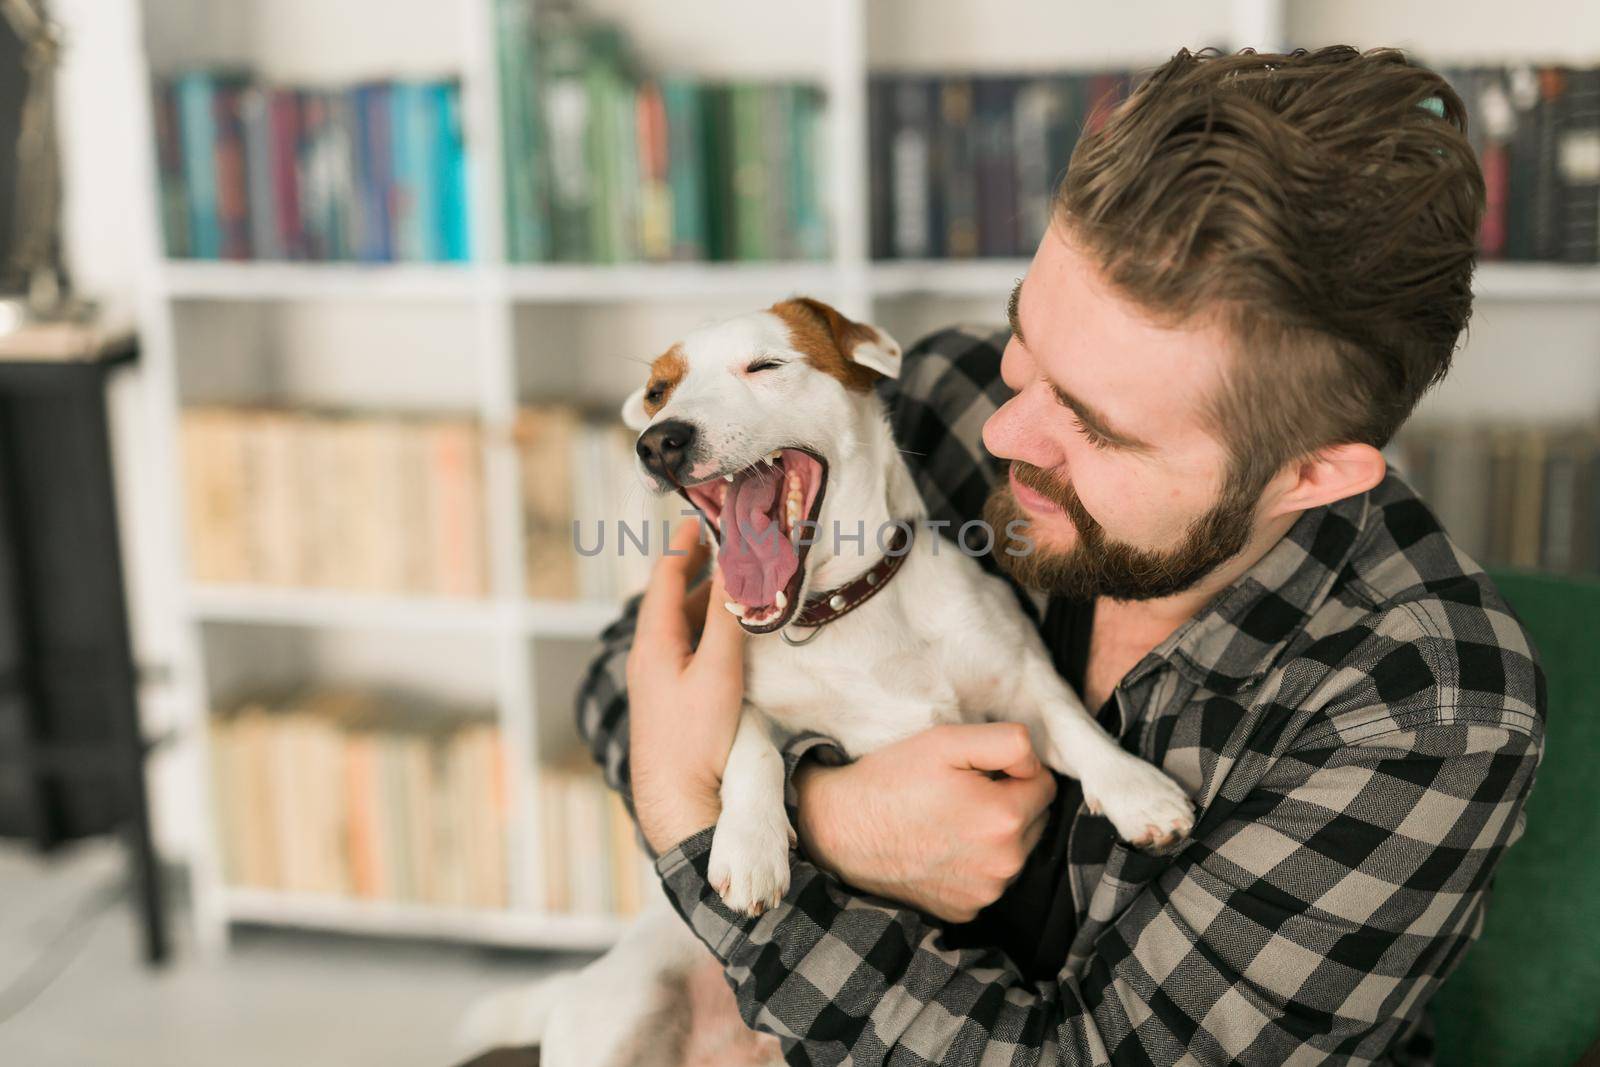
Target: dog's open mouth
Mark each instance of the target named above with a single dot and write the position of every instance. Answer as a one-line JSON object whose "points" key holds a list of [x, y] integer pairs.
{"points": [[765, 521]]}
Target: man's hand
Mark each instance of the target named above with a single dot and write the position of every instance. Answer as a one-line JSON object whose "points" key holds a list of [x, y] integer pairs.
{"points": [[683, 706], [924, 822]]}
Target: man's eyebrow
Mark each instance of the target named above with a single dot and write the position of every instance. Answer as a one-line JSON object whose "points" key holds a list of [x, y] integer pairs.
{"points": [[1097, 422], [1011, 313]]}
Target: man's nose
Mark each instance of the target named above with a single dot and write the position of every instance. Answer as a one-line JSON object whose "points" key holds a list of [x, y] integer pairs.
{"points": [[1014, 431], [664, 449]]}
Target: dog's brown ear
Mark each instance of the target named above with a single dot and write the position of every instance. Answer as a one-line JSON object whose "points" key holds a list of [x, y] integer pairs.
{"points": [[863, 344]]}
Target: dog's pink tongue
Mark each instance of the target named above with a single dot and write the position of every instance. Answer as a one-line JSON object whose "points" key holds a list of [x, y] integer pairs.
{"points": [[756, 558]]}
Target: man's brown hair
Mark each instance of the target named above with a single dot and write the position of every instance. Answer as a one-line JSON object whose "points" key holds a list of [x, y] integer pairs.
{"points": [[1325, 204]]}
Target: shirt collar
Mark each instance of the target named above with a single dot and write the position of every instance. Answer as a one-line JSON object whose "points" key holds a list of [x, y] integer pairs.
{"points": [[1238, 636]]}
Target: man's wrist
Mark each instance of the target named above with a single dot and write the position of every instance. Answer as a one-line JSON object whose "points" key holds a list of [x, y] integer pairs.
{"points": [[811, 821], [668, 820]]}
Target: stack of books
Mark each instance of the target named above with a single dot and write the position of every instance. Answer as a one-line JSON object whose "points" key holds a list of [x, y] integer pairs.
{"points": [[375, 172], [1509, 495], [1537, 133], [354, 793], [375, 503], [591, 529], [605, 163], [593, 863], [966, 166]]}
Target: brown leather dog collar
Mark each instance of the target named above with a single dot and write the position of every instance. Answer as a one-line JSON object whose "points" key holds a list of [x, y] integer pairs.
{"points": [[828, 605]]}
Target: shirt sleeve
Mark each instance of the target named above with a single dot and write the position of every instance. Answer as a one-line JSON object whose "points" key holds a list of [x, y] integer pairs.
{"points": [[1314, 917]]}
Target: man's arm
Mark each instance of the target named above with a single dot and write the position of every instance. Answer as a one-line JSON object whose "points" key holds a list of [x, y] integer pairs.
{"points": [[1316, 914]]}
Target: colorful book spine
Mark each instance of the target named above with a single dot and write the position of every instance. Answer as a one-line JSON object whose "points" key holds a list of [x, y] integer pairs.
{"points": [[255, 115], [198, 129], [284, 111], [169, 159], [564, 96], [523, 141], [376, 174], [751, 174], [681, 102], [450, 161], [233, 178]]}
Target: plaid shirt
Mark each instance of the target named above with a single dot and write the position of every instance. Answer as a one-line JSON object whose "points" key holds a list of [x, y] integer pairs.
{"points": [[1358, 720]]}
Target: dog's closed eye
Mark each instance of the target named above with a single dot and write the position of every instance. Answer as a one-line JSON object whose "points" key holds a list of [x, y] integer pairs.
{"points": [[764, 363]]}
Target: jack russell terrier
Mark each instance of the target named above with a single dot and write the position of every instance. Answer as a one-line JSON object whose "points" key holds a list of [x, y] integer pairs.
{"points": [[768, 425]]}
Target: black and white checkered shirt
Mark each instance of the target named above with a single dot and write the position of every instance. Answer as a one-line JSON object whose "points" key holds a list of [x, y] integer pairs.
{"points": [[1358, 720]]}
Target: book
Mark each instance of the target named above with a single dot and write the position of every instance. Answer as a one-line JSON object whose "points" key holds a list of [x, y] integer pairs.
{"points": [[655, 193], [591, 861], [255, 116], [335, 500], [1577, 166], [911, 185], [686, 177], [752, 174], [169, 161], [523, 140], [563, 57], [994, 136], [376, 795], [718, 167]]}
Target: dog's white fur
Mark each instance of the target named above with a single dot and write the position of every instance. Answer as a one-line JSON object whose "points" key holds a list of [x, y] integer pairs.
{"points": [[943, 642]]}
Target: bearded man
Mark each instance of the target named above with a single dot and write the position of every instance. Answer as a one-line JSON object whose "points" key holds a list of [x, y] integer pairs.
{"points": [[1257, 267]]}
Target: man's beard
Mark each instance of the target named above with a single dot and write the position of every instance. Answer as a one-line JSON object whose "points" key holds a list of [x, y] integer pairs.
{"points": [[1099, 566]]}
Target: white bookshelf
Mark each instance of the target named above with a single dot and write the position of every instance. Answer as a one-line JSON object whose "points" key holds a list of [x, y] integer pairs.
{"points": [[502, 359]]}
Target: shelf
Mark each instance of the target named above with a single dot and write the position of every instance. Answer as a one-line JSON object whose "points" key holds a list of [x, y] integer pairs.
{"points": [[995, 277], [1537, 281], [428, 921], [652, 282], [568, 618], [206, 280], [330, 607], [585, 284], [947, 277], [339, 608]]}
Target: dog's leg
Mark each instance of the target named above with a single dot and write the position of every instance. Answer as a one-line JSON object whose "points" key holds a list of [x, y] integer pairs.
{"points": [[1146, 807], [750, 851]]}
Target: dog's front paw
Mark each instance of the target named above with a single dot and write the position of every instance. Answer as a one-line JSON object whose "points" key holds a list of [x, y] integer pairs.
{"points": [[1148, 809], [750, 864]]}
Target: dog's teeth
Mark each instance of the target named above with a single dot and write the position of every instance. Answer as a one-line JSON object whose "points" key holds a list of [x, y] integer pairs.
{"points": [[774, 457], [734, 609], [727, 477], [780, 600]]}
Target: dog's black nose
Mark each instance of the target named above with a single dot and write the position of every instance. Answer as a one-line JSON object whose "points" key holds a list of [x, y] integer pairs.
{"points": [[664, 449]]}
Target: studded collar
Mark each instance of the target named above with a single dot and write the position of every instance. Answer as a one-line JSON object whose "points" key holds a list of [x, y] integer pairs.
{"points": [[824, 607]]}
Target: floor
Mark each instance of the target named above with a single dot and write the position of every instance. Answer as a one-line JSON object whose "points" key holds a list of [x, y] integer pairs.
{"points": [[73, 992]]}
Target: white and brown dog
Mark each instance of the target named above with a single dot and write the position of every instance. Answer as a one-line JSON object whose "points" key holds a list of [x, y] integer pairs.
{"points": [[861, 629]]}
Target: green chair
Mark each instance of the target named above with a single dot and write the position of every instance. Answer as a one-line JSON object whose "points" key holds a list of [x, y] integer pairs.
{"points": [[1528, 993]]}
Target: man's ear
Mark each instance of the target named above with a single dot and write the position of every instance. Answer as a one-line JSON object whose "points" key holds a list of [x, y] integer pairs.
{"points": [[859, 342], [1333, 473], [634, 416]]}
